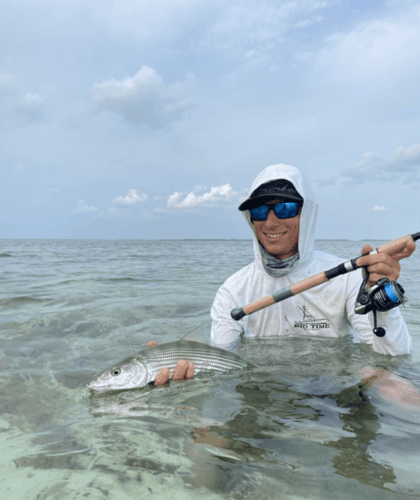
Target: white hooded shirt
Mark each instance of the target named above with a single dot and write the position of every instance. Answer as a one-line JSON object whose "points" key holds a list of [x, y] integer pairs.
{"points": [[326, 310]]}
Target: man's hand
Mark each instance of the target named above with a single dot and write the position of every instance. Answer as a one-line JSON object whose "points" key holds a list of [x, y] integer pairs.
{"points": [[380, 265], [391, 386], [183, 370]]}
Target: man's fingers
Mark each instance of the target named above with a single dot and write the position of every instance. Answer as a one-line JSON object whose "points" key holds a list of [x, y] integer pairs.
{"points": [[406, 251], [163, 376], [190, 370], [183, 370], [379, 265], [151, 343], [366, 249], [378, 271], [402, 253], [180, 369], [377, 258]]}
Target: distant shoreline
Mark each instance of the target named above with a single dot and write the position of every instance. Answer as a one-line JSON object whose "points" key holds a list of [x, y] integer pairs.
{"points": [[175, 239]]}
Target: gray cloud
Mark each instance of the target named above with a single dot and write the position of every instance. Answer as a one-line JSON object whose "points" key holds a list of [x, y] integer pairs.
{"points": [[403, 166], [259, 25], [380, 52], [145, 99], [218, 24]]}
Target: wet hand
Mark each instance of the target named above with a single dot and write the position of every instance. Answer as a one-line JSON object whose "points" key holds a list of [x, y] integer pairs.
{"points": [[381, 265], [391, 386], [183, 370]]}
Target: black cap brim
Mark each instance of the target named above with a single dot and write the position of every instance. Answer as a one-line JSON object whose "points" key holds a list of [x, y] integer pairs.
{"points": [[257, 201]]}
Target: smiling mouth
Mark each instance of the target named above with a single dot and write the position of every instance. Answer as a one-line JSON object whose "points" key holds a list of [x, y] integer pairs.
{"points": [[273, 236]]}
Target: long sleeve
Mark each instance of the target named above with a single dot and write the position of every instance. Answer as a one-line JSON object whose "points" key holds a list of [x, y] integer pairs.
{"points": [[225, 331]]}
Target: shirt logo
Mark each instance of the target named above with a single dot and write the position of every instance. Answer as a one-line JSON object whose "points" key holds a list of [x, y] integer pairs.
{"points": [[309, 322]]}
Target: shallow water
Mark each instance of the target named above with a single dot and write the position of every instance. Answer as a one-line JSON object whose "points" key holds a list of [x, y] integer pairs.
{"points": [[296, 426]]}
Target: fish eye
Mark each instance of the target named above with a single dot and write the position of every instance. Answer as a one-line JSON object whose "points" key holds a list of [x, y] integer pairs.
{"points": [[115, 372]]}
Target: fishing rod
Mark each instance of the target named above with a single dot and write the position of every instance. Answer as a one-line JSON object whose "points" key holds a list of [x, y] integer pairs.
{"points": [[382, 296]]}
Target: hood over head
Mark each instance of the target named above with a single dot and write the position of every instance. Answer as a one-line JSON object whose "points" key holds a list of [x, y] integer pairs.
{"points": [[307, 217]]}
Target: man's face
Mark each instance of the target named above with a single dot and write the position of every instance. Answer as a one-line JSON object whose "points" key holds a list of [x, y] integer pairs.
{"points": [[279, 237]]}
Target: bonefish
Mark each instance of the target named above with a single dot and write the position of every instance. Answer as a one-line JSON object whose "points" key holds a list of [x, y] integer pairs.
{"points": [[141, 369]]}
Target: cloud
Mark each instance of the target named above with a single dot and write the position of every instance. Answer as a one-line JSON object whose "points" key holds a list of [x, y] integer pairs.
{"points": [[33, 99], [378, 208], [402, 167], [149, 19], [380, 52], [260, 24], [218, 25], [308, 22], [218, 195], [130, 199], [226, 28], [145, 99], [83, 209]]}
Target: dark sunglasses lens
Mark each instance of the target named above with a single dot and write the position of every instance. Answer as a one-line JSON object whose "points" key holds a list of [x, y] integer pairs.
{"points": [[282, 210], [259, 213], [286, 210]]}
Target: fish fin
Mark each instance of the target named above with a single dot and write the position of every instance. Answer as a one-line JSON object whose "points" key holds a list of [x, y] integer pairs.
{"points": [[200, 334]]}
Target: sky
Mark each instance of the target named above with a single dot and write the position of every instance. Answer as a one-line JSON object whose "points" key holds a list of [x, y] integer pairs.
{"points": [[150, 119]]}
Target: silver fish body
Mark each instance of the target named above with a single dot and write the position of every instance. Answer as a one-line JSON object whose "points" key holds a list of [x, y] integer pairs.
{"points": [[139, 370]]}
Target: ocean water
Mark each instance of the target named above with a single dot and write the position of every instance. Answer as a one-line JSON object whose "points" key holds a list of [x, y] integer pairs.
{"points": [[297, 426]]}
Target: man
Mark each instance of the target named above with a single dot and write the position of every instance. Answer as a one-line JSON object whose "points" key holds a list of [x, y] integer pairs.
{"points": [[281, 212]]}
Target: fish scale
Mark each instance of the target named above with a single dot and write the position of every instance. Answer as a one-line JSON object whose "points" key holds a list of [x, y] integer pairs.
{"points": [[203, 356]]}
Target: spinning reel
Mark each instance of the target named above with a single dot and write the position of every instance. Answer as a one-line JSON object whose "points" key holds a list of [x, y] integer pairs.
{"points": [[382, 296]]}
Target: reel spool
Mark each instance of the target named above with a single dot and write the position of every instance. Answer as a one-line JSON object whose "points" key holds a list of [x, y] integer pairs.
{"points": [[382, 296]]}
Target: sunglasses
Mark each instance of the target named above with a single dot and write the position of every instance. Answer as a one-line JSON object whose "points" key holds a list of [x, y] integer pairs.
{"points": [[282, 210]]}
